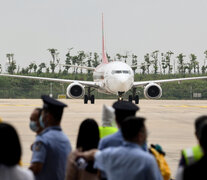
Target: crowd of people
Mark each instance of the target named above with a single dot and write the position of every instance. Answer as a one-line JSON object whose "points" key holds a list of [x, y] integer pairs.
{"points": [[116, 149]]}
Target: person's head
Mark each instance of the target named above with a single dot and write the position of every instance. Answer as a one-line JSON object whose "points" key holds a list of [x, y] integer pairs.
{"points": [[52, 112], [134, 130], [108, 116], [88, 135], [198, 124], [34, 120], [124, 109], [10, 151], [203, 137]]}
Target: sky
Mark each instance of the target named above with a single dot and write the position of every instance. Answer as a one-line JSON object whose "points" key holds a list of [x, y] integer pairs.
{"points": [[30, 27]]}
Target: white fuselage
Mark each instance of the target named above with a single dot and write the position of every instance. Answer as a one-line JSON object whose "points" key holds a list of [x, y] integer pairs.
{"points": [[114, 77]]}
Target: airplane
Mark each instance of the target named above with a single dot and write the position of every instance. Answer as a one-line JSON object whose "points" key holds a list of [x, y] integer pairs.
{"points": [[110, 78]]}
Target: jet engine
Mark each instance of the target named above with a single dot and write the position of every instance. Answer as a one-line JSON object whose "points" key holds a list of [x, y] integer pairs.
{"points": [[75, 90], [152, 91]]}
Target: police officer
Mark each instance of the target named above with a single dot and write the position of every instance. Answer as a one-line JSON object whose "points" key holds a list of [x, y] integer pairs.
{"points": [[51, 146], [123, 109], [128, 161]]}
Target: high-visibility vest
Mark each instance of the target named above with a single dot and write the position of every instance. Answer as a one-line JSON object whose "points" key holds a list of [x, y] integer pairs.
{"points": [[108, 130], [192, 155]]}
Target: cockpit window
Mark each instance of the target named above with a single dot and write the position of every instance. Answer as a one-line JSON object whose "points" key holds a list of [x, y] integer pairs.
{"points": [[120, 72], [126, 72]]}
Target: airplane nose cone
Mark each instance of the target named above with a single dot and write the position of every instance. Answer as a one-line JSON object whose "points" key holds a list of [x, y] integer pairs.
{"points": [[123, 84]]}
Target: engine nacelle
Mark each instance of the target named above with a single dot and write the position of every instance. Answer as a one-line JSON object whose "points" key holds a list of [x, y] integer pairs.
{"points": [[75, 90], [152, 91]]}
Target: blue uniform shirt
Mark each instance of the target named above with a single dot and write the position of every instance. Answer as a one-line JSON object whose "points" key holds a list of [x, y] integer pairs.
{"points": [[127, 162], [51, 148], [115, 140]]}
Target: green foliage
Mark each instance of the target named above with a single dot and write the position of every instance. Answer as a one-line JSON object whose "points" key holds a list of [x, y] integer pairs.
{"points": [[27, 88]]}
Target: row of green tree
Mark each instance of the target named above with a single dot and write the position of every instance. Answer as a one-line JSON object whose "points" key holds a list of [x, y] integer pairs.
{"points": [[152, 63], [26, 88]]}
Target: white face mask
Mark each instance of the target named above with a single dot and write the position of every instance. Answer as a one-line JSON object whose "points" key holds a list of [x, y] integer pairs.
{"points": [[33, 126]]}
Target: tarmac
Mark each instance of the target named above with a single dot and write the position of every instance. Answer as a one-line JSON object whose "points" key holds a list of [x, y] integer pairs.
{"points": [[170, 123]]}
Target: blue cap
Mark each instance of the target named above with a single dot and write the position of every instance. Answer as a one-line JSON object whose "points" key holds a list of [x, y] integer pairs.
{"points": [[125, 106]]}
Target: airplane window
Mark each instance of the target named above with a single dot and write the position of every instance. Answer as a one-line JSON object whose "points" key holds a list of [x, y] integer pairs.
{"points": [[126, 72], [120, 72]]}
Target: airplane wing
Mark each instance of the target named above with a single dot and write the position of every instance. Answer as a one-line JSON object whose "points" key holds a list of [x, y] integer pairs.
{"points": [[86, 83], [143, 83], [81, 67]]}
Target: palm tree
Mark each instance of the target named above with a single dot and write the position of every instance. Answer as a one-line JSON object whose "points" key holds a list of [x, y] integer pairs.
{"points": [[134, 62], [119, 56], [68, 60], [81, 57], [193, 62], [12, 63], [41, 66], [147, 62], [180, 58], [54, 54], [143, 68], [154, 55], [95, 61]]}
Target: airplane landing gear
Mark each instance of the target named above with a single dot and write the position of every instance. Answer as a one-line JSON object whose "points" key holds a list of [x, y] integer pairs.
{"points": [[89, 97], [134, 97], [120, 98]]}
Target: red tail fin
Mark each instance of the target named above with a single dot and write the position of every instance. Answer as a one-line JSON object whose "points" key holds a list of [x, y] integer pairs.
{"points": [[104, 57]]}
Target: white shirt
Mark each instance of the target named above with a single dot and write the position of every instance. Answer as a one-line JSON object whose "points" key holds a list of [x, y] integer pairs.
{"points": [[15, 172]]}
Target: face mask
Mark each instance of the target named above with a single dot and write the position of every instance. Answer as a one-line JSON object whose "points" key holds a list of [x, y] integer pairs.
{"points": [[42, 124], [33, 126]]}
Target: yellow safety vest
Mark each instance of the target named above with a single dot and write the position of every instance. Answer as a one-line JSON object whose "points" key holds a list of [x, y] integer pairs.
{"points": [[193, 154], [162, 164], [108, 130]]}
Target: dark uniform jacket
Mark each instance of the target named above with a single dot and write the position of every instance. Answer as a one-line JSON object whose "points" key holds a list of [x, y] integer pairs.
{"points": [[196, 171]]}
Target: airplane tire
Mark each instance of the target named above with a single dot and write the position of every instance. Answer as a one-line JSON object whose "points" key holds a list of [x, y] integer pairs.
{"points": [[136, 99], [130, 98], [92, 99], [85, 99]]}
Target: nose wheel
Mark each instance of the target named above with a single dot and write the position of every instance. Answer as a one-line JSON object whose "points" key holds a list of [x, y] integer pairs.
{"points": [[120, 98], [89, 97], [134, 97]]}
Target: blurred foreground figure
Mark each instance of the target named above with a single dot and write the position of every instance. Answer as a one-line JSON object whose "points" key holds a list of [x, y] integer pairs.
{"points": [[128, 161], [88, 138], [108, 120], [10, 154], [191, 155], [51, 146], [197, 170]]}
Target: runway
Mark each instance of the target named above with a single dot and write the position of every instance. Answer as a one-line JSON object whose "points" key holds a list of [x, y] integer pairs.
{"points": [[170, 123]]}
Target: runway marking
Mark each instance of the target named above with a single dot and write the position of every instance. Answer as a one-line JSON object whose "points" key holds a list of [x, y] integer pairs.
{"points": [[185, 106]]}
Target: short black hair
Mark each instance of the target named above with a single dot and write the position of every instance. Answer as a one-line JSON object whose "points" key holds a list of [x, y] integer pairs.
{"points": [[203, 137], [121, 115], [131, 126], [198, 124], [39, 111], [57, 115], [88, 135], [10, 150]]}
